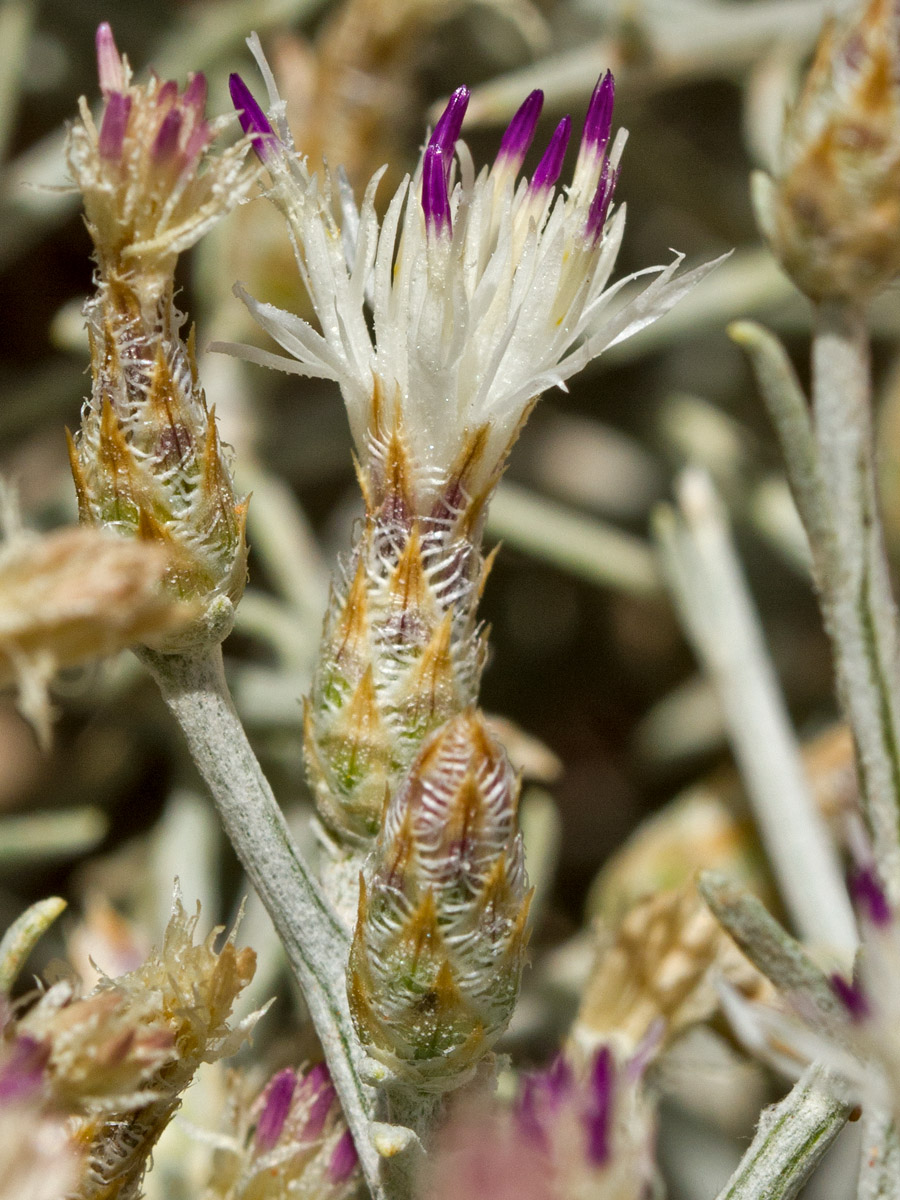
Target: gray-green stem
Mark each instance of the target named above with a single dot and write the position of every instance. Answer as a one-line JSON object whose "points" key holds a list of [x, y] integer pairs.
{"points": [[790, 1141], [314, 940], [860, 607]]}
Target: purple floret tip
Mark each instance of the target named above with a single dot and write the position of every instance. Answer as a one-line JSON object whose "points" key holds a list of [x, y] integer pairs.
{"points": [[195, 92], [870, 896], [598, 122], [23, 1073], [277, 1104], [252, 118], [516, 142], [550, 166], [113, 125], [321, 1090], [558, 1080], [449, 124], [343, 1159], [599, 209], [598, 1114], [166, 142], [109, 61], [435, 200], [851, 996]]}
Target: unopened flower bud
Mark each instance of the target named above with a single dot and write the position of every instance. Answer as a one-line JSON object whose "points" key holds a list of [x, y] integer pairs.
{"points": [[148, 462], [440, 938], [832, 216]]}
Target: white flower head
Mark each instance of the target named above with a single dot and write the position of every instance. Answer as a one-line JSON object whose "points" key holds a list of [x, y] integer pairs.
{"points": [[445, 321]]}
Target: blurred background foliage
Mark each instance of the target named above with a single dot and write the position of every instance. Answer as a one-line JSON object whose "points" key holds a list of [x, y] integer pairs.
{"points": [[612, 720]]}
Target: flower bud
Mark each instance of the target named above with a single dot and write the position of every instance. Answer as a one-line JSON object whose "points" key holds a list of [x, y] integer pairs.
{"points": [[148, 462], [440, 937], [833, 215]]}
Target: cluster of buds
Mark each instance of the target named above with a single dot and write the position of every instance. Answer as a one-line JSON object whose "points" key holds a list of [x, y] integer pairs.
{"points": [[291, 1140], [833, 214], [115, 1062], [442, 325], [575, 1131], [439, 943], [148, 462]]}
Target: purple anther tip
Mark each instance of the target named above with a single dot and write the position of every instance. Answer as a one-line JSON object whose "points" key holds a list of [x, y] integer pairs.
{"points": [[851, 996], [435, 200], [166, 142], [870, 896], [450, 123], [276, 1105], [114, 125], [516, 141], [109, 62], [195, 93], [599, 209], [597, 1117], [598, 122], [548, 169], [343, 1159], [252, 118]]}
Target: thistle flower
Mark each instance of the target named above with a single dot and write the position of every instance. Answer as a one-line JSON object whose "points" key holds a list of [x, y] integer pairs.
{"points": [[115, 1061], [440, 937], [148, 462], [441, 325], [291, 1140], [576, 1132], [833, 214]]}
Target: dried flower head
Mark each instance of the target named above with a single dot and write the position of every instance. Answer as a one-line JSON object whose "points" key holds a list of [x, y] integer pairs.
{"points": [[439, 943], [660, 972], [576, 1132], [290, 1140], [116, 1060], [148, 462], [73, 595], [833, 215]]}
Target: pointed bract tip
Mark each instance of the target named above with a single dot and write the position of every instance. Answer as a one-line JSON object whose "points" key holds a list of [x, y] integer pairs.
{"points": [[450, 123], [277, 1104], [109, 62], [598, 122], [435, 200], [517, 139], [550, 166], [343, 1159], [252, 118]]}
